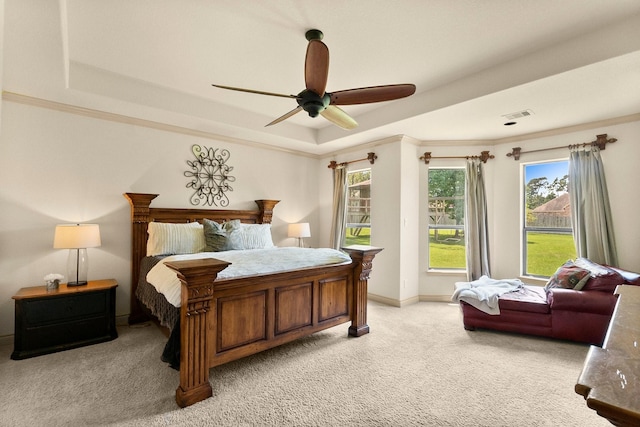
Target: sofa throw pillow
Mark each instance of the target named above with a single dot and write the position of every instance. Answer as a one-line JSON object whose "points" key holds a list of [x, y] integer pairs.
{"points": [[603, 278], [216, 235], [569, 276], [174, 239]]}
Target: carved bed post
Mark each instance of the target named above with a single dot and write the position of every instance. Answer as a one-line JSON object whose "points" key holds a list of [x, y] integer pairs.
{"points": [[197, 278], [139, 219], [266, 210], [363, 257]]}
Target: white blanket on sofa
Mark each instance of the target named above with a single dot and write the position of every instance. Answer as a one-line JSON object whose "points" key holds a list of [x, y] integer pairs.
{"points": [[484, 293]]}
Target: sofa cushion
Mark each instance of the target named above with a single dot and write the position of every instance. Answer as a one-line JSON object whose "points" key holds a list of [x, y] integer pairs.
{"points": [[603, 278], [581, 301], [569, 276], [532, 299]]}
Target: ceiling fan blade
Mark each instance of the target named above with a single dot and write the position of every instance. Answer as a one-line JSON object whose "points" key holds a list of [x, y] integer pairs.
{"points": [[366, 95], [316, 67], [259, 92], [285, 116], [337, 116]]}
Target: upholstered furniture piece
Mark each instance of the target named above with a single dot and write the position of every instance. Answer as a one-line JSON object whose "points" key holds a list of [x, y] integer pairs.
{"points": [[557, 312]]}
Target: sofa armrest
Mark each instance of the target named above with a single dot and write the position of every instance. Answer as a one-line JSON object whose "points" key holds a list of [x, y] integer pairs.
{"points": [[581, 301]]}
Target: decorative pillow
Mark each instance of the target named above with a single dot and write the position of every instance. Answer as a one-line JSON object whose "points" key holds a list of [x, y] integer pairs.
{"points": [[174, 239], [603, 278], [251, 236], [569, 276], [236, 235], [216, 235]]}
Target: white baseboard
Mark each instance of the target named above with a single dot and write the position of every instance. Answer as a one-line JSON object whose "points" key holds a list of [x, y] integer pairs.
{"points": [[401, 303]]}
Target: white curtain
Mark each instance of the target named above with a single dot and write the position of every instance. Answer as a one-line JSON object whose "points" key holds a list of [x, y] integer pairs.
{"points": [[590, 210], [476, 233], [339, 207]]}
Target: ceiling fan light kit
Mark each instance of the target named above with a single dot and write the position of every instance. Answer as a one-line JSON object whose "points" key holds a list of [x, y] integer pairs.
{"points": [[316, 101]]}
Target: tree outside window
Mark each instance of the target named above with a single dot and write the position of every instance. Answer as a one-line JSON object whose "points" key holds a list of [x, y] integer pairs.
{"points": [[446, 219]]}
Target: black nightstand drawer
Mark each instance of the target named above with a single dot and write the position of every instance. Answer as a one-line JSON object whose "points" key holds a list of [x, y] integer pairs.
{"points": [[59, 309], [66, 318], [61, 334]]}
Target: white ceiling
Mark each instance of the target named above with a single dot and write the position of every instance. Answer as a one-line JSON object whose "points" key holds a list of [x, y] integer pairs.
{"points": [[569, 62]]}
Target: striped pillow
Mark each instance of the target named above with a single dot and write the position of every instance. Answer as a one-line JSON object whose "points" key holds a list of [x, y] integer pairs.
{"points": [[251, 236], [174, 239]]}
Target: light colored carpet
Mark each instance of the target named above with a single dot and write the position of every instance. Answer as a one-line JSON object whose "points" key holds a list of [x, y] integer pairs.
{"points": [[417, 367]]}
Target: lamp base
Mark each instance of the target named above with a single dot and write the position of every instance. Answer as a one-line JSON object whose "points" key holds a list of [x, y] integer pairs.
{"points": [[77, 283]]}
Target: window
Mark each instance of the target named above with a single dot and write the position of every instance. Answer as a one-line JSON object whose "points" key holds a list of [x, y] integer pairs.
{"points": [[446, 219], [547, 233], [358, 227]]}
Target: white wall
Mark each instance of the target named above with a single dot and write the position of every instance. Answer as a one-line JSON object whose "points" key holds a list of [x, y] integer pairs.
{"points": [[57, 167]]}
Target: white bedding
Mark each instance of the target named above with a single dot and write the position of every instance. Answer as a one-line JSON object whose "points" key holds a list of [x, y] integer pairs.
{"points": [[244, 263]]}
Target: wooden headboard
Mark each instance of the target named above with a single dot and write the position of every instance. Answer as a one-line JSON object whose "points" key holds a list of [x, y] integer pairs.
{"points": [[142, 214]]}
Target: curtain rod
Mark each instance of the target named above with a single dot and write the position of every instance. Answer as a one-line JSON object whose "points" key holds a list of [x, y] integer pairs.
{"points": [[601, 141], [484, 156], [371, 157]]}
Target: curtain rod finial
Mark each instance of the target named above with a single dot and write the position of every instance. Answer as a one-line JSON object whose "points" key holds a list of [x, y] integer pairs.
{"points": [[426, 157], [515, 153], [484, 156], [371, 157]]}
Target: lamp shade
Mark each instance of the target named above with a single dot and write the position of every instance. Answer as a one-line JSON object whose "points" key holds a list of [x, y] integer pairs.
{"points": [[76, 236], [299, 230]]}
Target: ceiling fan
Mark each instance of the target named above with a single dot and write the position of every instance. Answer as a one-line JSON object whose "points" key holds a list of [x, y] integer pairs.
{"points": [[315, 101]]}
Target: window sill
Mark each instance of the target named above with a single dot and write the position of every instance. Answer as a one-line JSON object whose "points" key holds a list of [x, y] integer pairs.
{"points": [[446, 271]]}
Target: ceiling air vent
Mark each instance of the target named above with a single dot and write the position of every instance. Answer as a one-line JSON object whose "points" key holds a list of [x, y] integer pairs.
{"points": [[518, 114]]}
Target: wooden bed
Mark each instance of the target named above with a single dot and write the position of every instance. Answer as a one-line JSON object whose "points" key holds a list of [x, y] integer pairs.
{"points": [[225, 320]]}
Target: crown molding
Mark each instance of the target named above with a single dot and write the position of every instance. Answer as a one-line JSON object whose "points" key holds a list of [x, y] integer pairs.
{"points": [[136, 121]]}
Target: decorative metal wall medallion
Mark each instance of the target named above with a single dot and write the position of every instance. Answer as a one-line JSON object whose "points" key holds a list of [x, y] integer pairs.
{"points": [[210, 176]]}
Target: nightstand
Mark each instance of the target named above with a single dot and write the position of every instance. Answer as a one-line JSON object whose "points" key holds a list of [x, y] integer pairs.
{"points": [[66, 318]]}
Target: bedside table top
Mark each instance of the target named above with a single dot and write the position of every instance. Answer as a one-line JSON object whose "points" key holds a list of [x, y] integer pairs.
{"points": [[63, 289]]}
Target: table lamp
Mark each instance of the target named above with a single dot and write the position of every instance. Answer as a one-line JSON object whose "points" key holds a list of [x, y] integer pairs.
{"points": [[299, 231], [77, 238]]}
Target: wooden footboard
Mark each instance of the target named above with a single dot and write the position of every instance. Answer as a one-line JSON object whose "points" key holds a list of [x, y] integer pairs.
{"points": [[229, 319]]}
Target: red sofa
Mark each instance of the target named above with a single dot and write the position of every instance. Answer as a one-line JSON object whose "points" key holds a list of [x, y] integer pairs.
{"points": [[577, 315]]}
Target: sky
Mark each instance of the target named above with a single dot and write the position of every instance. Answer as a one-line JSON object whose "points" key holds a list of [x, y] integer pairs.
{"points": [[550, 170]]}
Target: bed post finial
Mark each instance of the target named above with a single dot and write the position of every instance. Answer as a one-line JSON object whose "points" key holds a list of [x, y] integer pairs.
{"points": [[266, 210], [139, 220]]}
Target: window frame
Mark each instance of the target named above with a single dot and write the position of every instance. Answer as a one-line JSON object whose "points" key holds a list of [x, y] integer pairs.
{"points": [[526, 229], [367, 208], [431, 226]]}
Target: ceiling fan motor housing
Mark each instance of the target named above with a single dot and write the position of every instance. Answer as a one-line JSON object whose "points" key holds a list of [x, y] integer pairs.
{"points": [[313, 103]]}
